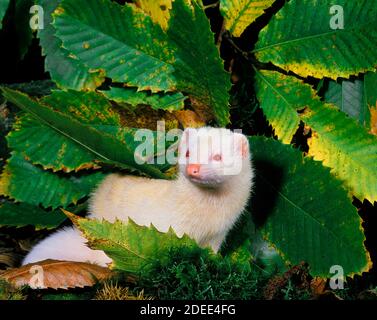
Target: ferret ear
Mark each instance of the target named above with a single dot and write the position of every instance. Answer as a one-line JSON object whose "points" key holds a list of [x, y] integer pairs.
{"points": [[184, 140], [242, 144], [187, 131], [186, 135]]}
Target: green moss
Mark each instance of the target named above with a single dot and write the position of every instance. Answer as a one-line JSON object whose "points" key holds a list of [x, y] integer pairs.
{"points": [[195, 274], [68, 296]]}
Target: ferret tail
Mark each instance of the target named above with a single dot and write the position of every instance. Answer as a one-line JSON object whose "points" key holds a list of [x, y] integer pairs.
{"points": [[67, 245]]}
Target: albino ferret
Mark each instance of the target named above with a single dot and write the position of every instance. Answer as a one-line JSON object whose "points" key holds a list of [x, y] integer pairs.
{"points": [[208, 196]]}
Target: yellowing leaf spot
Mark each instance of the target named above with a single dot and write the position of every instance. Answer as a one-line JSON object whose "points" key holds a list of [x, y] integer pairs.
{"points": [[329, 128], [62, 151], [73, 56], [86, 45], [89, 165], [5, 182], [59, 10], [373, 120]]}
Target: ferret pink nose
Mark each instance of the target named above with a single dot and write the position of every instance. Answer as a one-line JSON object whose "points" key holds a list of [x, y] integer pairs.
{"points": [[193, 170]]}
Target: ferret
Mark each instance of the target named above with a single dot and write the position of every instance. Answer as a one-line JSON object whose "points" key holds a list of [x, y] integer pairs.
{"points": [[210, 192]]}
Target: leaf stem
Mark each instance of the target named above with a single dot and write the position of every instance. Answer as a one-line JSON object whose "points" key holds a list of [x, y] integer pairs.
{"points": [[213, 5]]}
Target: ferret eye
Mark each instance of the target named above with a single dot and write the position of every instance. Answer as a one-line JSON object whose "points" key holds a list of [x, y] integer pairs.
{"points": [[217, 157], [187, 154]]}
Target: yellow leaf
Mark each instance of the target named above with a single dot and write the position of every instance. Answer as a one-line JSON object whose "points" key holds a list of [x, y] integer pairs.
{"points": [[158, 10], [239, 14]]}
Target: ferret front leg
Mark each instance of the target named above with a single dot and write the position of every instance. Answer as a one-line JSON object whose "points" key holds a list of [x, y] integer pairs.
{"points": [[216, 242]]}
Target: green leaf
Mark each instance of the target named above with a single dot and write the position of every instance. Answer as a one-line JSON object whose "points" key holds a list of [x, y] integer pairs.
{"points": [[168, 101], [133, 248], [87, 107], [47, 147], [348, 96], [341, 144], [245, 239], [107, 148], [280, 98], [66, 70], [242, 256], [370, 92], [23, 214], [3, 9], [356, 98], [304, 211], [299, 38], [239, 14], [337, 140], [370, 98], [22, 181], [121, 41], [267, 257], [199, 70], [129, 48]]}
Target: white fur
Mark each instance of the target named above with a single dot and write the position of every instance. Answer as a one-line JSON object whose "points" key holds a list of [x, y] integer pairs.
{"points": [[67, 245], [205, 211]]}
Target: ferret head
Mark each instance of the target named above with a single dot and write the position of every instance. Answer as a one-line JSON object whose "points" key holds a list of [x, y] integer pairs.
{"points": [[209, 156]]}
